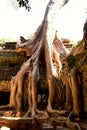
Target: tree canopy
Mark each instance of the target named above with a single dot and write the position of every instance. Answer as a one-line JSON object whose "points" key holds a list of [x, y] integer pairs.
{"points": [[24, 3]]}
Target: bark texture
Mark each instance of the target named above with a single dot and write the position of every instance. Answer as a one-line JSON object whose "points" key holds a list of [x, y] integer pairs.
{"points": [[41, 44], [43, 49]]}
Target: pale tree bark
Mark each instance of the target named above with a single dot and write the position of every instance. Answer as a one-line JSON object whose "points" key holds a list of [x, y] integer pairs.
{"points": [[43, 43]]}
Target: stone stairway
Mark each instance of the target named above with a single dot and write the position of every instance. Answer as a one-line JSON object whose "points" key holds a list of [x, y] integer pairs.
{"points": [[47, 126], [61, 125], [13, 123]]}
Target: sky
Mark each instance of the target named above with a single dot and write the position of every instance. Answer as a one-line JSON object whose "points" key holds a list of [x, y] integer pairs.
{"points": [[15, 23]]}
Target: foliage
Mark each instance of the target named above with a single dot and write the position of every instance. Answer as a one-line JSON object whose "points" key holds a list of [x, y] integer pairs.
{"points": [[14, 4], [71, 61], [3, 40], [24, 3], [31, 35]]}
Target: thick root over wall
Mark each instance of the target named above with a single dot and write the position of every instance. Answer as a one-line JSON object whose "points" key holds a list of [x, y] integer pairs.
{"points": [[41, 44]]}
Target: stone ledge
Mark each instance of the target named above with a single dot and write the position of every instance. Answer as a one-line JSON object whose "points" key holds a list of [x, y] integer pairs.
{"points": [[13, 122]]}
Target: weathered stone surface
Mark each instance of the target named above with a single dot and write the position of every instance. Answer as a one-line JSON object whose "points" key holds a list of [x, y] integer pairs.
{"points": [[61, 128], [5, 86], [7, 73], [11, 58], [85, 103], [14, 123], [83, 126], [81, 64], [47, 126]]}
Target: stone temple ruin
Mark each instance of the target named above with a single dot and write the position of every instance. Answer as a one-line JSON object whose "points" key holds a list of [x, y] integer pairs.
{"points": [[10, 63]]}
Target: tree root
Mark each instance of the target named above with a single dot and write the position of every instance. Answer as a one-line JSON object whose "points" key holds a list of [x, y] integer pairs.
{"points": [[9, 114], [71, 124], [13, 113], [61, 112], [6, 107], [36, 114]]}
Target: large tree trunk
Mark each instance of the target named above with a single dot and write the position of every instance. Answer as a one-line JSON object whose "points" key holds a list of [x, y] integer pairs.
{"points": [[41, 44]]}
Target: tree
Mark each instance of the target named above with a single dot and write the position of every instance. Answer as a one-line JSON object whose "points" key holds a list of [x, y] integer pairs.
{"points": [[42, 44], [24, 3]]}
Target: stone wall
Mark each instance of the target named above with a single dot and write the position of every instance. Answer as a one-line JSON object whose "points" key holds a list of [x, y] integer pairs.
{"points": [[10, 62], [81, 62], [85, 90]]}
